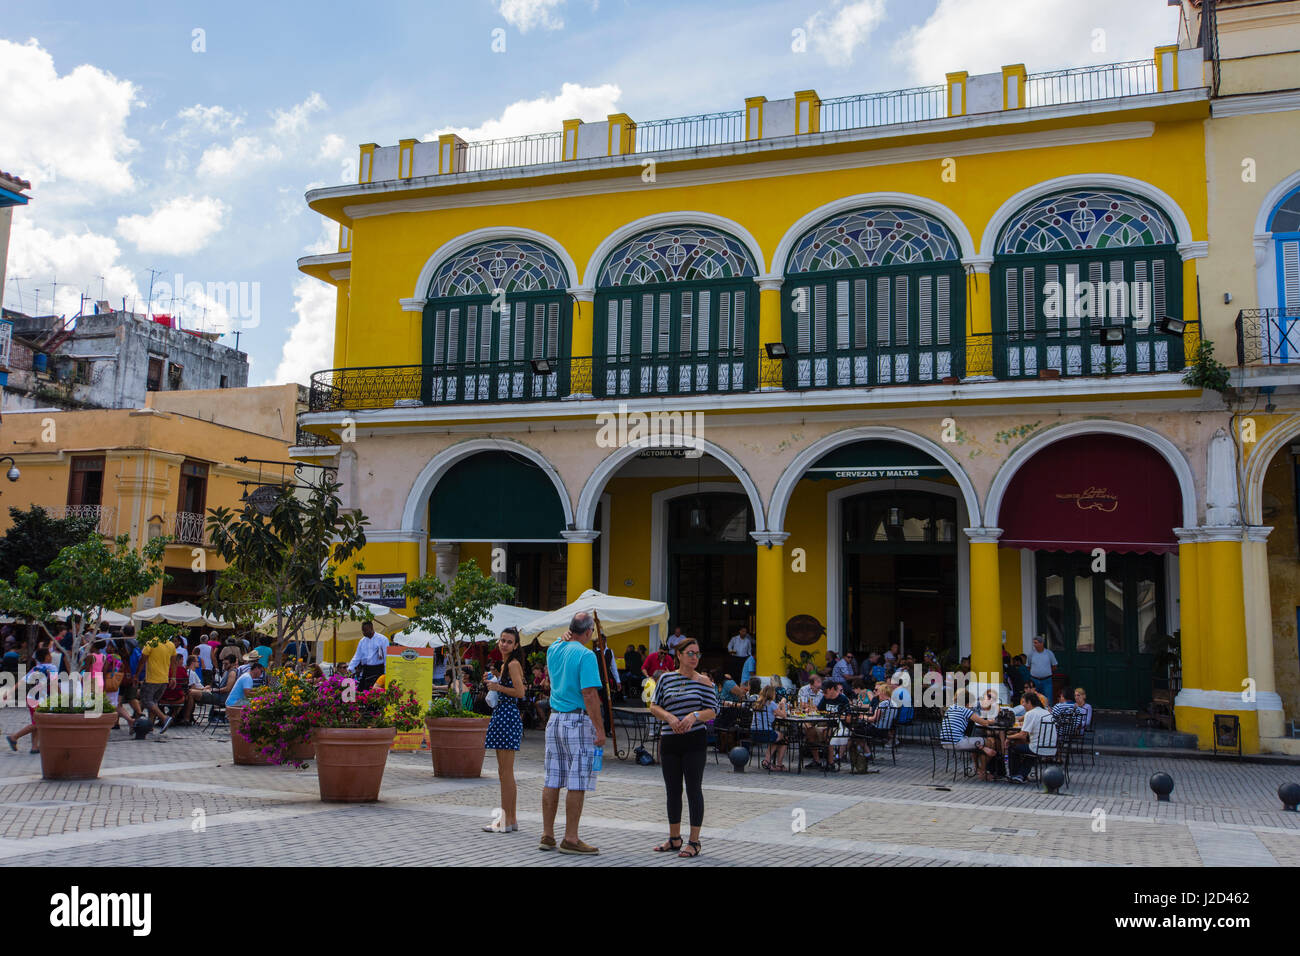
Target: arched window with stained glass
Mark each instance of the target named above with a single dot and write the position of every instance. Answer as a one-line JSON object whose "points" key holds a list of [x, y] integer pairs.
{"points": [[492, 310], [1280, 337], [874, 296], [676, 313], [1073, 263]]}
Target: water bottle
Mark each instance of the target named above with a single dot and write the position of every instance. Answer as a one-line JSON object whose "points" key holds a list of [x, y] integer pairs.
{"points": [[597, 758]]}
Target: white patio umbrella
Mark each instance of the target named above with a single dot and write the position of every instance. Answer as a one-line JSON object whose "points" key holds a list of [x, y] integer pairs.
{"points": [[183, 613], [617, 616], [111, 618], [503, 616], [316, 630]]}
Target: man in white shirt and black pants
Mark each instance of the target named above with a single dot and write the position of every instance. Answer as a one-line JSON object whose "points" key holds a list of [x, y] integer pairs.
{"points": [[368, 662], [740, 647]]}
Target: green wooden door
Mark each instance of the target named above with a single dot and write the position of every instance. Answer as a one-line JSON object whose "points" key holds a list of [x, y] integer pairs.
{"points": [[1101, 625]]}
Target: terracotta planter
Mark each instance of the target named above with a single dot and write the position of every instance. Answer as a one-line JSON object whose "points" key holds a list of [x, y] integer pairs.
{"points": [[73, 745], [249, 754], [456, 744], [350, 761]]}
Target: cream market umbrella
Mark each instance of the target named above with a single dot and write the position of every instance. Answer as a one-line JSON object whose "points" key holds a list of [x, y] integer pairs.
{"points": [[315, 630], [617, 616], [111, 618], [503, 616], [183, 613]]}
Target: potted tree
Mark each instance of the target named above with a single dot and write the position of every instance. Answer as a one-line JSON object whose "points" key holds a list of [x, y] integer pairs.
{"points": [[86, 577], [457, 614], [284, 558]]}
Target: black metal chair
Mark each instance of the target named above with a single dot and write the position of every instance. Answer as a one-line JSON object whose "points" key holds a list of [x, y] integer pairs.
{"points": [[216, 716], [883, 730], [1046, 749]]}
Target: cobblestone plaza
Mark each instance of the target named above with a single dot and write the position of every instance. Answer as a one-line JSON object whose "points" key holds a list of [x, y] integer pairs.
{"points": [[177, 799]]}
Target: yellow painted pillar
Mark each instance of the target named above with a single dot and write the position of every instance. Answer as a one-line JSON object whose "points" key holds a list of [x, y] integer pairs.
{"points": [[1221, 640], [1012, 603], [769, 612], [979, 309], [582, 345], [769, 330], [342, 300], [1259, 632], [985, 606], [579, 577], [1189, 608]]}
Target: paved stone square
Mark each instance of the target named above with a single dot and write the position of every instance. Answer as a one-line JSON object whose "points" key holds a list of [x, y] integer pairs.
{"points": [[179, 798]]}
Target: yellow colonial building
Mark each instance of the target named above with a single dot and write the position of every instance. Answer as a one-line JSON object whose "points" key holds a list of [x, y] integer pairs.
{"points": [[920, 354], [152, 471]]}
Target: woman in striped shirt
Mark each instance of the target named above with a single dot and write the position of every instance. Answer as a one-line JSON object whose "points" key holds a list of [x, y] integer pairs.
{"points": [[685, 700]]}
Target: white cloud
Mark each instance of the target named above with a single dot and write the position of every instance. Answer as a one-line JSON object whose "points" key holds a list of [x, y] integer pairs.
{"points": [[523, 15], [75, 259], [243, 154], [310, 346], [332, 146], [180, 226], [69, 127], [980, 36], [835, 35], [293, 121], [543, 114], [210, 119]]}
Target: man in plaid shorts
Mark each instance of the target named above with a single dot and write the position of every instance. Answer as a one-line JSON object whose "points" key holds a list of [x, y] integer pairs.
{"points": [[573, 733]]}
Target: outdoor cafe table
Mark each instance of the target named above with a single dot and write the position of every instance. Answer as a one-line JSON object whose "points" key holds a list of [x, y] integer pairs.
{"points": [[797, 725], [992, 730], [637, 728]]}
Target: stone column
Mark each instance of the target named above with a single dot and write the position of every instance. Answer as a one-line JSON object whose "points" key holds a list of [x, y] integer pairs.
{"points": [[979, 298], [579, 579], [1259, 632], [985, 608]]}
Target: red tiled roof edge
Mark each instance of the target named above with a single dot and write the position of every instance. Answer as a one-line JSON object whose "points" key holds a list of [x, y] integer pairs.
{"points": [[16, 181]]}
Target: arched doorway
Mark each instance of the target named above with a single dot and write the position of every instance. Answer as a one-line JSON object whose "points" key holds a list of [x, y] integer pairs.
{"points": [[501, 500], [1098, 513], [711, 569], [900, 566]]}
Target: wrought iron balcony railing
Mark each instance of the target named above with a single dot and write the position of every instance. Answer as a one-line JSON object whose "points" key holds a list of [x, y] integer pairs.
{"points": [[996, 355], [465, 384], [105, 517], [1268, 336], [306, 439], [838, 114], [187, 527]]}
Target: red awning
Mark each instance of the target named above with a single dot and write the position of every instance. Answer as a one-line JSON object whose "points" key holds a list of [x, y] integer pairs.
{"points": [[1094, 491]]}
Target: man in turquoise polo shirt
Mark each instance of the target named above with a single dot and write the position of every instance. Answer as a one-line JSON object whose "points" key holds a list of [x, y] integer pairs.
{"points": [[573, 733]]}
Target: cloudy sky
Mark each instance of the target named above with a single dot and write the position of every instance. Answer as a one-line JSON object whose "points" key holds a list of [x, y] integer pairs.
{"points": [[173, 143]]}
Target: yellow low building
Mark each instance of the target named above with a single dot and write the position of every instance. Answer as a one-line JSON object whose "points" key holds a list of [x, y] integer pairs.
{"points": [[152, 471]]}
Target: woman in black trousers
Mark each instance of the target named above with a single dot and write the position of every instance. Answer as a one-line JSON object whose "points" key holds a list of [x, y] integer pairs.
{"points": [[685, 700]]}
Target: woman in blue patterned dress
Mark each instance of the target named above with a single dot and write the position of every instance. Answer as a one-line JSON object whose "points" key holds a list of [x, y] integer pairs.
{"points": [[506, 729]]}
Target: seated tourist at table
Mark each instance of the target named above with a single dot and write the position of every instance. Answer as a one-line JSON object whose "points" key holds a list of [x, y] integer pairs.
{"points": [[748, 670], [1085, 709], [860, 691], [900, 695], [767, 710], [952, 731], [989, 704], [845, 669], [875, 667], [1064, 712], [1025, 740], [729, 692], [835, 703], [810, 694]]}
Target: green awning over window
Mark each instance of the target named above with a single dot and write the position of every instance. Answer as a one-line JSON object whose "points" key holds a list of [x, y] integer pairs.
{"points": [[495, 496], [876, 459]]}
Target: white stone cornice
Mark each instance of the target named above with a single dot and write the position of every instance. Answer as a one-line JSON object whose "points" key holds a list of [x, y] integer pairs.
{"points": [[1256, 103], [769, 282], [980, 264], [1187, 535], [395, 535], [583, 293], [1258, 533], [983, 535], [1219, 533], [411, 305], [580, 537], [770, 538], [1193, 250]]}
